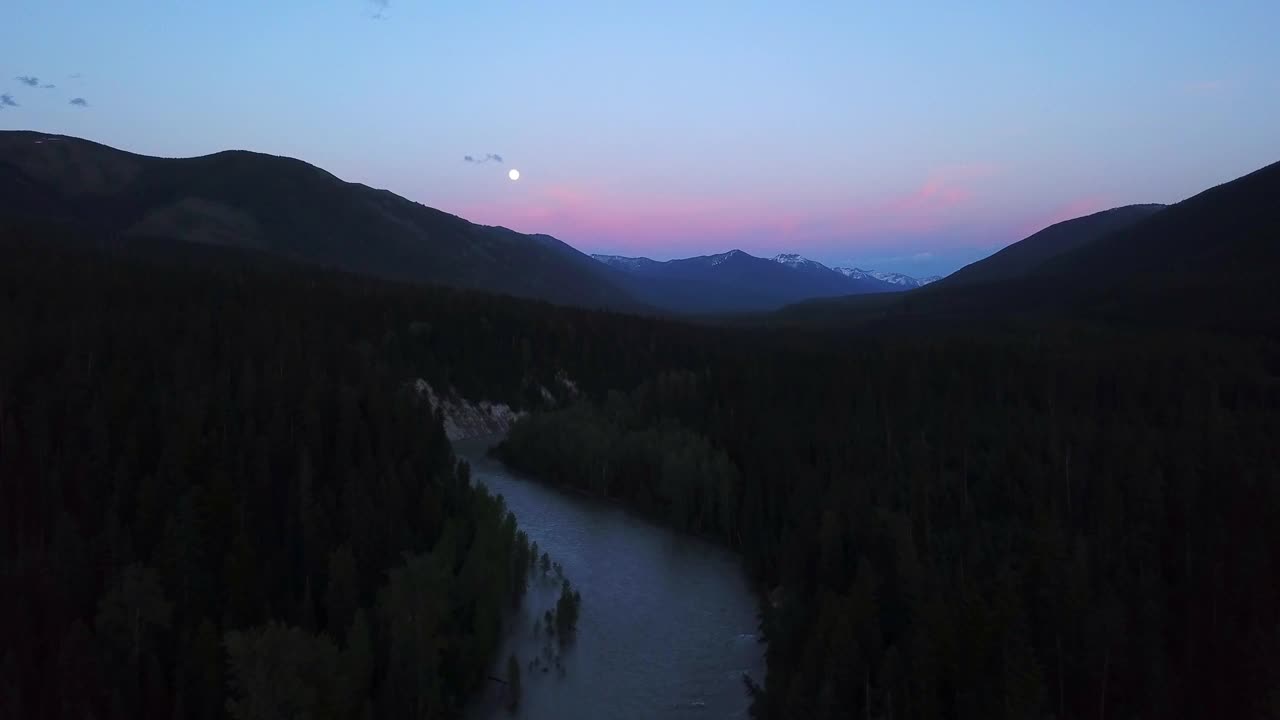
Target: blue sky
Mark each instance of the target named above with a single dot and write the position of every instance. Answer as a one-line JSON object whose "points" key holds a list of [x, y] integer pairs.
{"points": [[909, 138]]}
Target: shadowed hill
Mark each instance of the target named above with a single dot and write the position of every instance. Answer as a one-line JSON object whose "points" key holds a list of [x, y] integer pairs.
{"points": [[1207, 261], [291, 209], [1025, 255]]}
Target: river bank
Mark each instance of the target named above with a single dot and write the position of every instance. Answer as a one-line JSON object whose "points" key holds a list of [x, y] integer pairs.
{"points": [[668, 620]]}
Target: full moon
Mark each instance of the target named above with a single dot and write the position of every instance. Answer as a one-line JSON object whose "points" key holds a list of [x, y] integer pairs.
{"points": [[514, 174]]}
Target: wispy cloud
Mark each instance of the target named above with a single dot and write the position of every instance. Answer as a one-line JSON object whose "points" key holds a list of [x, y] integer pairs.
{"points": [[944, 201], [48, 86], [75, 76], [379, 8], [940, 200], [488, 157], [7, 100], [28, 80], [80, 102]]}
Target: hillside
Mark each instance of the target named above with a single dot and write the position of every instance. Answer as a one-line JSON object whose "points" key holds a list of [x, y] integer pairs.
{"points": [[1025, 255], [1206, 262], [291, 209]]}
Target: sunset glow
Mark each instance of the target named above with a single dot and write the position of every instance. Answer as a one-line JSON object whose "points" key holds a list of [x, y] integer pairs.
{"points": [[680, 129]]}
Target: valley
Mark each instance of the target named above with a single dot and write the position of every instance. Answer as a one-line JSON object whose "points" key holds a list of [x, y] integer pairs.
{"points": [[245, 409]]}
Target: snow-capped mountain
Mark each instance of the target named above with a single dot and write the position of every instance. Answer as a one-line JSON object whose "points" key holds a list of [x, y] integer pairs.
{"points": [[794, 260], [733, 281], [724, 257], [624, 263], [893, 278], [798, 262]]}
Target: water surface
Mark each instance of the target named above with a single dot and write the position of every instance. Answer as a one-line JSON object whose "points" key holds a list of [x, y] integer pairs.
{"points": [[668, 621]]}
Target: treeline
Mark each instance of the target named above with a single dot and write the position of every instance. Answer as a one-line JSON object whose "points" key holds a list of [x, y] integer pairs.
{"points": [[610, 450], [1083, 525], [219, 498]]}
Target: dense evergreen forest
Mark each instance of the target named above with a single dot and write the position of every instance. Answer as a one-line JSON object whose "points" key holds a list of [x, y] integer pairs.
{"points": [[1083, 526], [219, 497]]}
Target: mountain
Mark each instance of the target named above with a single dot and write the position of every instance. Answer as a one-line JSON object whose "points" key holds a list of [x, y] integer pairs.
{"points": [[1206, 262], [626, 264], [823, 275], [875, 280], [733, 281], [1209, 261], [797, 262], [905, 282], [1025, 255], [290, 209]]}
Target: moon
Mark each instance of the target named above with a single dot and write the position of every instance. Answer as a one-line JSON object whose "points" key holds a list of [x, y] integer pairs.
{"points": [[514, 174]]}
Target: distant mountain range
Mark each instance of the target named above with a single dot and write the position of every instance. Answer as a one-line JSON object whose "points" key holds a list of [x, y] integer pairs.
{"points": [[903, 282], [293, 210], [736, 281], [1198, 257]]}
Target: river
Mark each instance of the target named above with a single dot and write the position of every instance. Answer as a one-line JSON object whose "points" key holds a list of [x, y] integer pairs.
{"points": [[667, 625]]}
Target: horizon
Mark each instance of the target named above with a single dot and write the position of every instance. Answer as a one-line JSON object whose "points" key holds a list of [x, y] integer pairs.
{"points": [[687, 131]]}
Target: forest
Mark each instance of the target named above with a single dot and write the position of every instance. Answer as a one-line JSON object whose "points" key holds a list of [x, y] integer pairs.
{"points": [[219, 496], [218, 500], [1085, 526]]}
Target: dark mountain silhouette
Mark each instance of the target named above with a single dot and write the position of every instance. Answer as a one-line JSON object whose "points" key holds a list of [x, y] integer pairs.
{"points": [[1207, 262], [1223, 236], [1025, 255], [288, 208], [734, 281]]}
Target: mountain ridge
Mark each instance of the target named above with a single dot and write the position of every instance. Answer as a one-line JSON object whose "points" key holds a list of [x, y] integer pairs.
{"points": [[735, 281], [1019, 258], [1205, 262], [290, 208]]}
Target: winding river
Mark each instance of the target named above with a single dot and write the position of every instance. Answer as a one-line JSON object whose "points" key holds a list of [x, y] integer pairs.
{"points": [[667, 625]]}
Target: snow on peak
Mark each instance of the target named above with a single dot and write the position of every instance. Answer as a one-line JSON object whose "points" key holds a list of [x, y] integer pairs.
{"points": [[892, 278], [717, 259], [853, 272], [795, 260], [618, 261]]}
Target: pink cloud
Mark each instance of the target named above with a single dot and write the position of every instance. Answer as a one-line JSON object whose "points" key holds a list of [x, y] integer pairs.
{"points": [[945, 197], [945, 189], [597, 217], [586, 215]]}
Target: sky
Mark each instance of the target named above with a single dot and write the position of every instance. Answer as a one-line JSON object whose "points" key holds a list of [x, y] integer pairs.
{"points": [[913, 137]]}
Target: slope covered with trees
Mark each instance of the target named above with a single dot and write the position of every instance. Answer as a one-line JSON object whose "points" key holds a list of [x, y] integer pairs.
{"points": [[290, 209], [219, 498], [974, 529], [1207, 262], [1068, 508]]}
